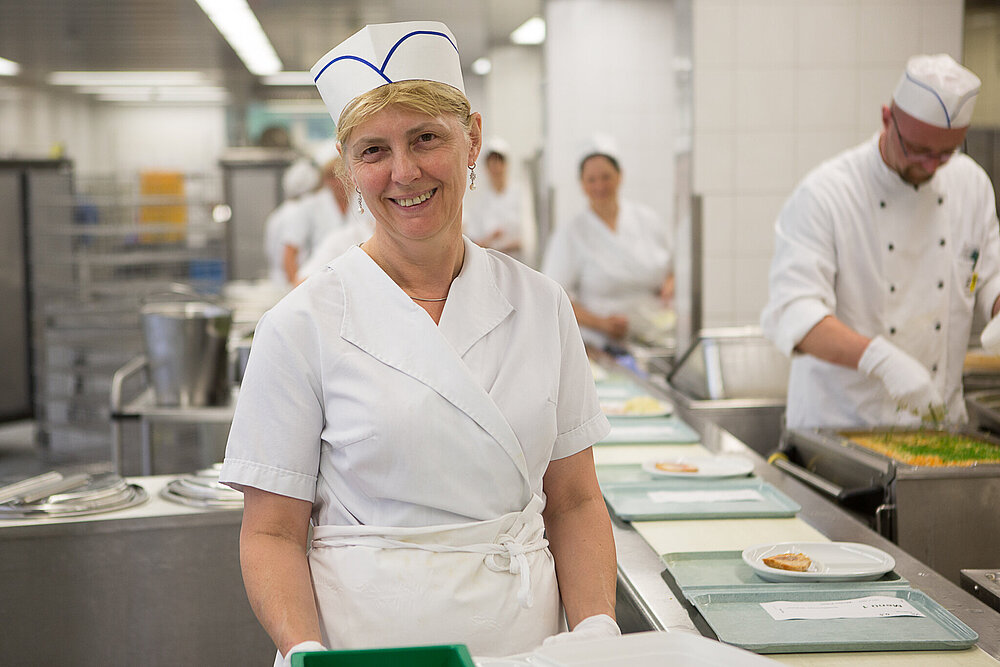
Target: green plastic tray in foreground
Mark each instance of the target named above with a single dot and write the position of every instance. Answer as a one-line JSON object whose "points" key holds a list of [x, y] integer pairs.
{"points": [[632, 502], [454, 655], [738, 619]]}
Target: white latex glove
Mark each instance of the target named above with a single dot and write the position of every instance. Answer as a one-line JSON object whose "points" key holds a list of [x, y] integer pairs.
{"points": [[990, 337], [303, 647], [905, 378], [601, 626]]}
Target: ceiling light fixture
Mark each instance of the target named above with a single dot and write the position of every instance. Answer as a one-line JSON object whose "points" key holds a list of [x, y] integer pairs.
{"points": [[238, 24], [288, 79], [482, 66], [126, 78], [531, 31], [8, 67]]}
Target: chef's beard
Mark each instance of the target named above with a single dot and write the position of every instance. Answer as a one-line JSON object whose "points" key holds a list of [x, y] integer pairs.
{"points": [[916, 175]]}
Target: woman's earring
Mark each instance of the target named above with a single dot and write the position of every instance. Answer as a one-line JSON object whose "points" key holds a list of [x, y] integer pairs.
{"points": [[472, 176], [361, 203]]}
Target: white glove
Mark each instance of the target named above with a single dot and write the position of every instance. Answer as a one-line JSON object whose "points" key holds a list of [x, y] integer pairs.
{"points": [[990, 337], [303, 647], [905, 378], [592, 627]]}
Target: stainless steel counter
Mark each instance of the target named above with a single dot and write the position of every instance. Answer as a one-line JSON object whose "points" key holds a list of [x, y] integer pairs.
{"points": [[650, 598]]}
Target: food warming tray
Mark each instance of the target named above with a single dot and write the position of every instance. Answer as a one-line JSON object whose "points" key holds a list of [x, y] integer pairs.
{"points": [[959, 528], [93, 494]]}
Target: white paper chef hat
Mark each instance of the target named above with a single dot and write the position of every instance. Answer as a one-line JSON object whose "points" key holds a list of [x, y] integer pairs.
{"points": [[599, 144], [937, 90], [496, 145], [385, 53], [299, 178]]}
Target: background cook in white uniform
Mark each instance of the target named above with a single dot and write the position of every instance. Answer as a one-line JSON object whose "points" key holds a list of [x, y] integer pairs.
{"points": [[614, 258], [881, 255], [322, 212], [298, 181], [496, 212], [427, 403]]}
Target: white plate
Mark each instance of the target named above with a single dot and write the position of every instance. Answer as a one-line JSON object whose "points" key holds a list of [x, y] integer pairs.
{"points": [[709, 467], [616, 408], [831, 561]]}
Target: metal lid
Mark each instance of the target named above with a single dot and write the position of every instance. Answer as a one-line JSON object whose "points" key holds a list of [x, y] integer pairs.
{"points": [[202, 489], [74, 495]]}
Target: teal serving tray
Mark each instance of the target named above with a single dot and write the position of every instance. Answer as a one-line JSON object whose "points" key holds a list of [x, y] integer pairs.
{"points": [[650, 430], [698, 571], [632, 501], [738, 619]]}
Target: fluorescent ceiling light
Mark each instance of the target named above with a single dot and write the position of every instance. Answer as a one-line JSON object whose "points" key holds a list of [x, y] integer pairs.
{"points": [[288, 79], [238, 24], [127, 78], [482, 66], [8, 67], [531, 31], [158, 94]]}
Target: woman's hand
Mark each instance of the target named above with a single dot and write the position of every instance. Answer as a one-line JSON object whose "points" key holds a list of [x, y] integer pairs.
{"points": [[615, 326], [668, 290]]}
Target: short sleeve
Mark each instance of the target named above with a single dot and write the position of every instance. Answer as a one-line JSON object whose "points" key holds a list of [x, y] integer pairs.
{"points": [[803, 271], [274, 442], [579, 420], [298, 224]]}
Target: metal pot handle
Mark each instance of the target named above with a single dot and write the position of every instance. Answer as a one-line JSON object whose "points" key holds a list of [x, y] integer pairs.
{"points": [[780, 460], [118, 381]]}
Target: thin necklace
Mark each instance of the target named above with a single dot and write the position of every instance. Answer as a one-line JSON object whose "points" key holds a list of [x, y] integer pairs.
{"points": [[417, 298]]}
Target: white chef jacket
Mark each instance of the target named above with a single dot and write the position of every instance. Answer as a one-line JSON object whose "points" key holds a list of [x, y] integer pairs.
{"points": [[320, 216], [611, 272], [857, 242], [489, 211], [285, 215], [355, 400], [357, 230]]}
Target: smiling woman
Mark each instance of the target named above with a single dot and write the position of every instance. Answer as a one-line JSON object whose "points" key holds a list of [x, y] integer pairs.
{"points": [[413, 400]]}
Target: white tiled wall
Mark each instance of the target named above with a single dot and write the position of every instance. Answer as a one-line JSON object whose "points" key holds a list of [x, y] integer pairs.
{"points": [[609, 69], [779, 86]]}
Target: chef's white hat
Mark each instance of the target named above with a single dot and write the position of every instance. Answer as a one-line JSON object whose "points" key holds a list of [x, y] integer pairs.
{"points": [[498, 146], [937, 90], [385, 53], [299, 178], [599, 144], [325, 152]]}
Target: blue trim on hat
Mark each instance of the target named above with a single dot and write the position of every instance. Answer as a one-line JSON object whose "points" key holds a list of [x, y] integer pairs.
{"points": [[933, 92], [385, 63]]}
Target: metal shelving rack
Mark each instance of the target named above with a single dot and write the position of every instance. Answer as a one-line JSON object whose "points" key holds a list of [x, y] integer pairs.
{"points": [[98, 249]]}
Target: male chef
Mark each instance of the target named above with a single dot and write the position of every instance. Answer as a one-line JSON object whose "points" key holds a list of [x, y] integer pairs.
{"points": [[881, 255]]}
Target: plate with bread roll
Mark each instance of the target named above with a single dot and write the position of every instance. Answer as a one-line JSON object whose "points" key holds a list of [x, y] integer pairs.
{"points": [[699, 467], [818, 561]]}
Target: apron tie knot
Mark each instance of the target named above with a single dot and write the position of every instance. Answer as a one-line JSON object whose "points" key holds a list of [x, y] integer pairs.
{"points": [[511, 557]]}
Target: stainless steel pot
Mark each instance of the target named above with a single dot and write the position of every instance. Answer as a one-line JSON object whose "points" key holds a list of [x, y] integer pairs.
{"points": [[186, 350]]}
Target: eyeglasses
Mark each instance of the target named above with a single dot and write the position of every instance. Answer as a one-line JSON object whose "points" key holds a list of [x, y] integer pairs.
{"points": [[921, 155]]}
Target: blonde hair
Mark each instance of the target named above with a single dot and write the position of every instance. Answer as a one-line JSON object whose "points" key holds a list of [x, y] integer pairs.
{"points": [[429, 97]]}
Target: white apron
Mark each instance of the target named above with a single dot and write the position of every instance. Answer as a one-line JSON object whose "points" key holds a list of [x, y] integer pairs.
{"points": [[490, 585]]}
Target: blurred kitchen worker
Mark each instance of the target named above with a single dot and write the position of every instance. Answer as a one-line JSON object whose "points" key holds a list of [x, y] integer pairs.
{"points": [[356, 231], [881, 255], [299, 180], [614, 258], [322, 212], [496, 217], [425, 403]]}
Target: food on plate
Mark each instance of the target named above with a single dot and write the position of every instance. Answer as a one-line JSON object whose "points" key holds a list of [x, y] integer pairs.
{"points": [[669, 466], [798, 562], [642, 405], [929, 447]]}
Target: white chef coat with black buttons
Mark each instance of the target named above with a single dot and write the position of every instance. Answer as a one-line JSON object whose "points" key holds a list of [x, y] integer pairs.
{"points": [[857, 242]]}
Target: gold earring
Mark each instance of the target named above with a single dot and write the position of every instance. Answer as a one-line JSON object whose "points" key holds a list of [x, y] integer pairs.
{"points": [[472, 176]]}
